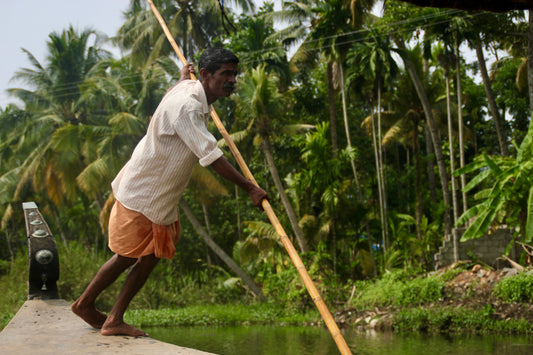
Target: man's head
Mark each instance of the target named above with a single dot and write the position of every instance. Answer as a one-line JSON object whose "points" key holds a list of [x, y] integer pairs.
{"points": [[218, 70], [212, 58]]}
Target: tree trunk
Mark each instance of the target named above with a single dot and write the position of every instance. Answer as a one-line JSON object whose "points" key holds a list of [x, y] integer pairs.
{"points": [[430, 166], [332, 119], [378, 175], [208, 229], [460, 125], [500, 131], [418, 190], [450, 142], [347, 130], [267, 149], [530, 61], [239, 232], [385, 221], [437, 146], [219, 251]]}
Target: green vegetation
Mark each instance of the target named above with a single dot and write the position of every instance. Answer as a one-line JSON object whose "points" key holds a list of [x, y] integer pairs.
{"points": [[517, 288], [397, 289], [371, 139], [215, 299], [218, 315], [13, 283], [460, 321]]}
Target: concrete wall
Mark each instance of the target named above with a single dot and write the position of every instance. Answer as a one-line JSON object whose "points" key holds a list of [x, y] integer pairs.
{"points": [[488, 248]]}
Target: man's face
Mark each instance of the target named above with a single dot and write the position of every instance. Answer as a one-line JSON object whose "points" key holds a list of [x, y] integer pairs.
{"points": [[220, 83]]}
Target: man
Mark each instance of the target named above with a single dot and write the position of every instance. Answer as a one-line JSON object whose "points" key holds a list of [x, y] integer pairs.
{"points": [[144, 222]]}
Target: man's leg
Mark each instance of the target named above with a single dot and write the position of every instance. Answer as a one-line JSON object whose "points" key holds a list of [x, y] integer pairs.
{"points": [[114, 324], [84, 306]]}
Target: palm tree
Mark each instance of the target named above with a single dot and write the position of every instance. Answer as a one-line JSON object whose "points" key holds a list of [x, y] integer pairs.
{"points": [[253, 43], [498, 121], [220, 252], [52, 144], [58, 116], [373, 61], [393, 12], [481, 32], [323, 25], [445, 59], [435, 137], [194, 26], [323, 182], [259, 102]]}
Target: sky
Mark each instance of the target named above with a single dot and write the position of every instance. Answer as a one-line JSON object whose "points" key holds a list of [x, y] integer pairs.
{"points": [[27, 24]]}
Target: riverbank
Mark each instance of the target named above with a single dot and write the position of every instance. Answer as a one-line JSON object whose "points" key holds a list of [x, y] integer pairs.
{"points": [[463, 298], [453, 301], [471, 301]]}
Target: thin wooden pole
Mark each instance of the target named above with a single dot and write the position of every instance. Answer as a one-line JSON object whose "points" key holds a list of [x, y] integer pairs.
{"points": [[297, 261]]}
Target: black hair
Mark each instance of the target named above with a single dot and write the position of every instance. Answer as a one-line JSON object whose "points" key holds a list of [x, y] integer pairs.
{"points": [[213, 58]]}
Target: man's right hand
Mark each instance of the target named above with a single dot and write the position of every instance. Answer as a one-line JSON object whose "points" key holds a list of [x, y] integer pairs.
{"points": [[257, 195], [186, 71]]}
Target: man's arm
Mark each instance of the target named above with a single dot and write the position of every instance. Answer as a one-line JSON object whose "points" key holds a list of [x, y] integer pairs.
{"points": [[185, 74], [228, 172]]}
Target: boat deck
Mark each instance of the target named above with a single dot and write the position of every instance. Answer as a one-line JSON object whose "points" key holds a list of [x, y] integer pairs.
{"points": [[49, 327]]}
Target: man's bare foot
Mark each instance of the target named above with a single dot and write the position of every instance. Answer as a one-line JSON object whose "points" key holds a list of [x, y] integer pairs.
{"points": [[121, 328], [91, 315]]}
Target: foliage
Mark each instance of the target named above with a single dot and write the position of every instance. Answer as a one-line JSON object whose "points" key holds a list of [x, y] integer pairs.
{"points": [[219, 315], [516, 288], [83, 111], [13, 283], [505, 192], [463, 321], [398, 289], [284, 285]]}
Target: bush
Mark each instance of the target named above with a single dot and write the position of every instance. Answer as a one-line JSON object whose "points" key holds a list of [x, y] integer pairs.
{"points": [[398, 289], [463, 321], [517, 288], [285, 284], [14, 286]]}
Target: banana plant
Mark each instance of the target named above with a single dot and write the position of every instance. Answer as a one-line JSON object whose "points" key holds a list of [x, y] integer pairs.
{"points": [[504, 194]]}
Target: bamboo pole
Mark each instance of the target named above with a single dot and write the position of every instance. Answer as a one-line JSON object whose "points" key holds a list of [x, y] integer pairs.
{"points": [[297, 261]]}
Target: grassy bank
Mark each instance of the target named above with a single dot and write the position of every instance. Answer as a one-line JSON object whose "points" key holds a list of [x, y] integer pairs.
{"points": [[464, 299], [218, 315], [452, 320], [467, 299]]}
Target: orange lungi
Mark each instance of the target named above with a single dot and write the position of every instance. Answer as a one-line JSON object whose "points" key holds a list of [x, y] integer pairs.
{"points": [[133, 235]]}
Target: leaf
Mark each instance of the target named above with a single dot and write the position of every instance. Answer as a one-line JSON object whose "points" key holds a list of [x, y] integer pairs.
{"points": [[529, 221], [503, 179], [476, 165], [492, 165], [483, 221], [477, 180], [470, 213], [524, 153], [483, 194]]}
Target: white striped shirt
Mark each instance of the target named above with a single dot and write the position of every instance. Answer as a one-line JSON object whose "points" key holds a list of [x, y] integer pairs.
{"points": [[156, 175]]}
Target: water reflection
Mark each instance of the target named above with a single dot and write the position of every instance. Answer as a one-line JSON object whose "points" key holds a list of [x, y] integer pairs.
{"points": [[279, 340]]}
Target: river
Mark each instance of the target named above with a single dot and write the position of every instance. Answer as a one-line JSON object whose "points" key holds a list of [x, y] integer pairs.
{"points": [[281, 340]]}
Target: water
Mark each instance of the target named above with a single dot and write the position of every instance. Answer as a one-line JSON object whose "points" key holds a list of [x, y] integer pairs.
{"points": [[281, 340]]}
